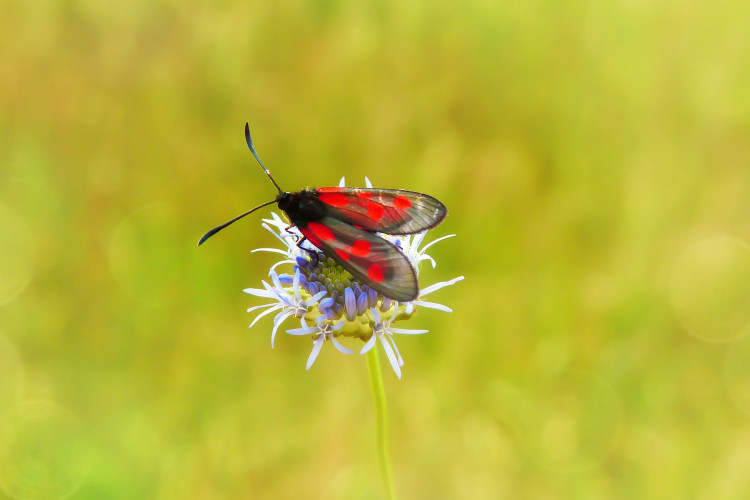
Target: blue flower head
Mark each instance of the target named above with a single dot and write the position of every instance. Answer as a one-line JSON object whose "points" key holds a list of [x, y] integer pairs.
{"points": [[323, 294]]}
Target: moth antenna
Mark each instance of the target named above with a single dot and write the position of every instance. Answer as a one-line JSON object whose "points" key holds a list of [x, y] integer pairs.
{"points": [[219, 228], [249, 141]]}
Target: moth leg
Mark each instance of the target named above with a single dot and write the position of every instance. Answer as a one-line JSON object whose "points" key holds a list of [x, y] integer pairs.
{"points": [[313, 253]]}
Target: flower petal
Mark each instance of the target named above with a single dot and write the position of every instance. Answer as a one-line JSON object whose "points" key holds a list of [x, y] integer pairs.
{"points": [[260, 293], [251, 309], [361, 304], [368, 345], [315, 298], [438, 286], [433, 305], [299, 331], [272, 250], [277, 322], [340, 347], [351, 304], [407, 331], [391, 356], [435, 241], [266, 312], [317, 345]]}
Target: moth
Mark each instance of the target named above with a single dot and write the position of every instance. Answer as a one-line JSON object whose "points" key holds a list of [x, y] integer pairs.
{"points": [[343, 221]]}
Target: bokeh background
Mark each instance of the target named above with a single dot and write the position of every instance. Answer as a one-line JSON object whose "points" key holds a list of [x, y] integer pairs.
{"points": [[595, 158]]}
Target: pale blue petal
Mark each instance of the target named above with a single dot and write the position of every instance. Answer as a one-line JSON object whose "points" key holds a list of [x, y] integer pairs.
{"points": [[342, 182], [265, 313], [282, 240], [351, 304], [315, 298], [260, 293], [299, 331], [368, 345], [295, 285], [376, 314], [251, 309], [317, 344], [340, 347], [367, 182], [361, 303]]}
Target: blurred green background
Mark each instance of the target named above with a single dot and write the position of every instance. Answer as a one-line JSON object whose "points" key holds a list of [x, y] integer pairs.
{"points": [[594, 156]]}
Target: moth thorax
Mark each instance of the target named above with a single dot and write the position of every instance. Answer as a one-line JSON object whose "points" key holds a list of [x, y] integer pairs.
{"points": [[302, 207]]}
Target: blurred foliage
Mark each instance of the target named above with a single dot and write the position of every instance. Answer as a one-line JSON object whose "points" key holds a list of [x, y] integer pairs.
{"points": [[594, 157]]}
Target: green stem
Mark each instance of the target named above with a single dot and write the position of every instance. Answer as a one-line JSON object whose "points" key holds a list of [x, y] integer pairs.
{"points": [[381, 424]]}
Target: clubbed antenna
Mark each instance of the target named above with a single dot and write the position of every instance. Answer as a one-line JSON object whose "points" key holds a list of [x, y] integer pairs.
{"points": [[252, 150], [219, 228]]}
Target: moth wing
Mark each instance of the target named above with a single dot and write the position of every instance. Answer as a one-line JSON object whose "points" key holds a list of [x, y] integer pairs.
{"points": [[371, 259], [389, 211]]}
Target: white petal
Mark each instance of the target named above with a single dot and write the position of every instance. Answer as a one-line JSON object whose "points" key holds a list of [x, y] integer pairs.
{"points": [[251, 309], [275, 279], [398, 354], [265, 313], [435, 241], [277, 322], [438, 286], [432, 305], [278, 236], [259, 293], [407, 331], [427, 257], [289, 261], [391, 356], [367, 182], [272, 250], [340, 347], [417, 239], [395, 312], [317, 344], [342, 182]]}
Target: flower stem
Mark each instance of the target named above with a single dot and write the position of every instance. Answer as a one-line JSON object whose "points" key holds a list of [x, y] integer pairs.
{"points": [[381, 424]]}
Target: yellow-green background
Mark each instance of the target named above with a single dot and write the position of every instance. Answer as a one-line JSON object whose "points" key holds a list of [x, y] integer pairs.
{"points": [[595, 159]]}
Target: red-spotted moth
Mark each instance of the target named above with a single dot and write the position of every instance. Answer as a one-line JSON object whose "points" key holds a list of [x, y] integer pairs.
{"points": [[342, 222]]}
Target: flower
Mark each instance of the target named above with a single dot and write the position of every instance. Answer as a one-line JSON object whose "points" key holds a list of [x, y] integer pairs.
{"points": [[322, 293]]}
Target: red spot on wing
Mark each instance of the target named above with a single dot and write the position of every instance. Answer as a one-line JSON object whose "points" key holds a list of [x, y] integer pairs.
{"points": [[375, 210], [334, 189], [365, 194], [311, 237], [401, 202], [334, 199], [361, 248], [343, 254], [375, 272], [321, 231]]}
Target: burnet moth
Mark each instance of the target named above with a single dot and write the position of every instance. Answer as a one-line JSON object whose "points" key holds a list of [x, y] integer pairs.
{"points": [[342, 222]]}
